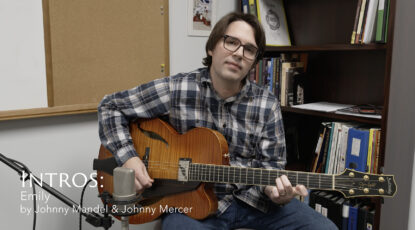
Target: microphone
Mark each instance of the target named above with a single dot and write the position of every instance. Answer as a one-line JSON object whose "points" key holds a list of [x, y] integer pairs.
{"points": [[124, 191]]}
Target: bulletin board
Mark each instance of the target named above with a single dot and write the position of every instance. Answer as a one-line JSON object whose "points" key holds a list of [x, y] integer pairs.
{"points": [[96, 47]]}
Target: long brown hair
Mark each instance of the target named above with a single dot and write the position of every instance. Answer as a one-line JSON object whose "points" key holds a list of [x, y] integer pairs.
{"points": [[220, 28]]}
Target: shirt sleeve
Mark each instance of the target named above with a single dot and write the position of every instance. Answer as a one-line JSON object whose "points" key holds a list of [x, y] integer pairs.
{"points": [[272, 146], [117, 110]]}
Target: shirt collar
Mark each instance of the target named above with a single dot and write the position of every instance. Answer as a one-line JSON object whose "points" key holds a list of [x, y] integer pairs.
{"points": [[246, 91]]}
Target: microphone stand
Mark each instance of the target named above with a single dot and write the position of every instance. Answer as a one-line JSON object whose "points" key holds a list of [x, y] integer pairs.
{"points": [[93, 218]]}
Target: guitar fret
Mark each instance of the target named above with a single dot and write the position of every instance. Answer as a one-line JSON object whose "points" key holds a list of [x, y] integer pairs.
{"points": [[260, 180], [209, 172], [250, 176], [319, 180], [229, 169], [200, 175], [205, 173], [296, 182], [258, 176], [246, 176], [220, 173]]}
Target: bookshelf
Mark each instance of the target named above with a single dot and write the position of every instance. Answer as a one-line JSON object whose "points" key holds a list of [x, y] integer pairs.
{"points": [[340, 72]]}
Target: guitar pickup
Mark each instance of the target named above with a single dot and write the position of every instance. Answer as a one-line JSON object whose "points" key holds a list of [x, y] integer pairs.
{"points": [[183, 171]]}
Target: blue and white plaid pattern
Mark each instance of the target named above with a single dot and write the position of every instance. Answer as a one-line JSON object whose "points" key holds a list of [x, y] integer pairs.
{"points": [[250, 121]]}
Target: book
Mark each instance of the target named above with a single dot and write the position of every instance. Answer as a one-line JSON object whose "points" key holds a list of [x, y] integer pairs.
{"points": [[331, 151], [271, 14], [323, 106], [318, 150], [291, 74], [385, 31], [369, 32], [382, 23], [284, 69], [245, 6], [323, 165], [356, 21], [371, 153], [357, 146], [301, 87], [252, 7], [360, 23], [377, 149], [270, 77]]}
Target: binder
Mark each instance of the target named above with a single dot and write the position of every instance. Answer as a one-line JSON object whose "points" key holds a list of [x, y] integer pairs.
{"points": [[353, 212], [345, 215], [357, 147]]}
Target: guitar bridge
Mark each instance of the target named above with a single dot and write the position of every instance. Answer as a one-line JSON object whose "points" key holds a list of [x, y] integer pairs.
{"points": [[183, 171]]}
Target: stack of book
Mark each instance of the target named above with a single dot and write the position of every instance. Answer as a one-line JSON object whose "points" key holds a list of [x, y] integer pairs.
{"points": [[371, 22], [284, 76], [343, 145]]}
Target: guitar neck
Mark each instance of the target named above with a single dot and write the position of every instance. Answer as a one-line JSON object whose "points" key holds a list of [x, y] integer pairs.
{"points": [[257, 176]]}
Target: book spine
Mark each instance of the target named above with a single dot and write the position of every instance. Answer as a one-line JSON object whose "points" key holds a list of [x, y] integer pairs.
{"points": [[380, 21], [356, 21], [359, 26]]}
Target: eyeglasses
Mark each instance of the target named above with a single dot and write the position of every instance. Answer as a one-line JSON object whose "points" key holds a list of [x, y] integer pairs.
{"points": [[233, 44]]}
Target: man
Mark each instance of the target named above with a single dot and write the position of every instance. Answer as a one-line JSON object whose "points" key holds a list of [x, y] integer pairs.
{"points": [[219, 97]]}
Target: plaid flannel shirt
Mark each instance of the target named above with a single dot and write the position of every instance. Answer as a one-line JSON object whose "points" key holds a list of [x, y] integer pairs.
{"points": [[250, 121]]}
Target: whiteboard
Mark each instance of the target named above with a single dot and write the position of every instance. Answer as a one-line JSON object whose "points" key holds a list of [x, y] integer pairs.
{"points": [[22, 55]]}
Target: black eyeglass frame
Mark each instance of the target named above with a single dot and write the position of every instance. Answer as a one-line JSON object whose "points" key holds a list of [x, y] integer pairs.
{"points": [[240, 44]]}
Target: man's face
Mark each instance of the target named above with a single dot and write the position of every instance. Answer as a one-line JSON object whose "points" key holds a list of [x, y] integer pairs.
{"points": [[232, 66]]}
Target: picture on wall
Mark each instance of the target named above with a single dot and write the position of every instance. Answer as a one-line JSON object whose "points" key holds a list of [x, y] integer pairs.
{"points": [[271, 14], [201, 17]]}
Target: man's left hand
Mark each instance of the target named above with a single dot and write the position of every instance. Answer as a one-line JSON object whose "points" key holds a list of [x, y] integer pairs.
{"points": [[283, 192]]}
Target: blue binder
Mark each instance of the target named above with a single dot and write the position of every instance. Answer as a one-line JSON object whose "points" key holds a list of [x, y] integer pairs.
{"points": [[357, 146]]}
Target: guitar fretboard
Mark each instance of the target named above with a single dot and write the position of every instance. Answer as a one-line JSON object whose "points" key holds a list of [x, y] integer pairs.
{"points": [[256, 176]]}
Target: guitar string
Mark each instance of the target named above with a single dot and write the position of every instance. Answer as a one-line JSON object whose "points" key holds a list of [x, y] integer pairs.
{"points": [[217, 168], [312, 184], [173, 164], [226, 166], [208, 172]]}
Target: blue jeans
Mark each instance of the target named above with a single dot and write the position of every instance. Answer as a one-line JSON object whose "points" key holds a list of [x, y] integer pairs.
{"points": [[294, 215]]}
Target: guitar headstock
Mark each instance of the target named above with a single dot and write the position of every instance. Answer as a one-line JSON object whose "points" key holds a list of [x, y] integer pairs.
{"points": [[357, 184]]}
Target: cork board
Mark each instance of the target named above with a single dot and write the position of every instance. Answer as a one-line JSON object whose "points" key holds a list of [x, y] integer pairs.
{"points": [[96, 47]]}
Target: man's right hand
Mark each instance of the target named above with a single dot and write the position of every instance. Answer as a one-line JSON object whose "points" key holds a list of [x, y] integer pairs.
{"points": [[142, 179]]}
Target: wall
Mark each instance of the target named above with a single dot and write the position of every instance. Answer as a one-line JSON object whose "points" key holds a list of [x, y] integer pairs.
{"points": [[397, 212], [67, 144]]}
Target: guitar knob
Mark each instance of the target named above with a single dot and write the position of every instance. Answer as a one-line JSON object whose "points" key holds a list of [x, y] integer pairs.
{"points": [[366, 190], [351, 191], [365, 177], [381, 191], [381, 179]]}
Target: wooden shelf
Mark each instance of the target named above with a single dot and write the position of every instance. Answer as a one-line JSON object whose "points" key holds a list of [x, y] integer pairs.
{"points": [[332, 115], [47, 112], [327, 47]]}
